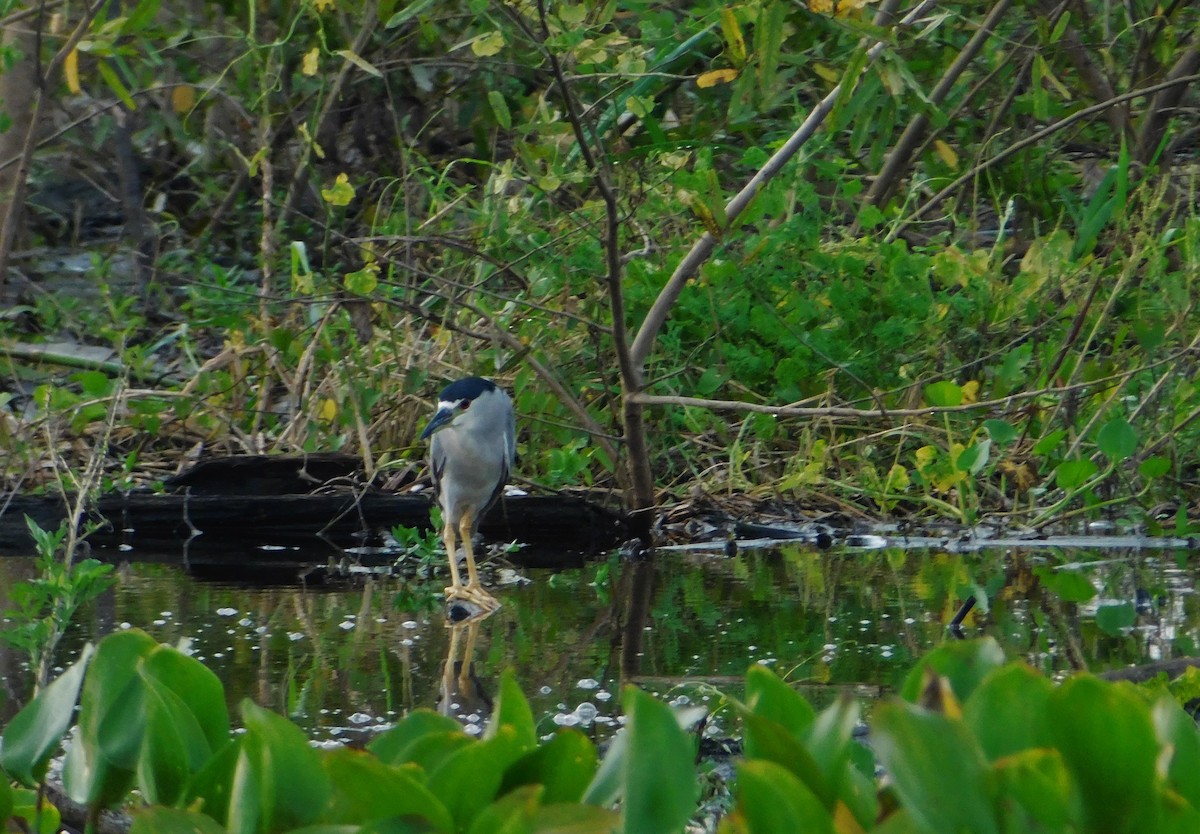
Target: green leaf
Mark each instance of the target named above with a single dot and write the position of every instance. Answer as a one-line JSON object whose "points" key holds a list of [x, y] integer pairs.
{"points": [[278, 782], [511, 814], [500, 109], [829, 744], [767, 695], [114, 83], [1048, 443], [101, 765], [1154, 467], [965, 663], [1107, 739], [363, 281], [33, 735], [1072, 474], [407, 741], [1000, 432], [1176, 731], [1117, 439], [565, 765], [1115, 619], [944, 394], [771, 799], [172, 821], [6, 799], [364, 788], [1067, 585], [468, 780], [1037, 782], [1007, 711], [575, 819], [407, 13], [660, 788], [974, 458], [512, 711], [936, 766], [770, 741], [39, 816]]}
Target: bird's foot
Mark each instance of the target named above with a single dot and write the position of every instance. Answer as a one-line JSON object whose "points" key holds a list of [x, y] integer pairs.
{"points": [[473, 594]]}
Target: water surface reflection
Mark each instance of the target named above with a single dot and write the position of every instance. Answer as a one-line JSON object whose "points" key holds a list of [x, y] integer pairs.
{"points": [[347, 662]]}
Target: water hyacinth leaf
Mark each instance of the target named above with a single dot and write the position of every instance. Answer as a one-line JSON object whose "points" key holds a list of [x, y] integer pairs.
{"points": [[1176, 730], [829, 744], [1107, 740], [173, 747], [408, 740], [278, 782], [512, 711], [510, 814], [1072, 474], [6, 800], [197, 685], [1006, 712], [34, 733], [944, 394], [965, 663], [1113, 620], [937, 768], [771, 799], [173, 821], [1037, 782], [564, 765], [660, 787], [212, 785], [110, 709], [575, 819], [1117, 439], [770, 741], [769, 696], [365, 789], [468, 780], [34, 813]]}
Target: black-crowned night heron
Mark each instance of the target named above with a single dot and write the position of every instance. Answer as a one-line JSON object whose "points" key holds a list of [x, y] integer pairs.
{"points": [[471, 455]]}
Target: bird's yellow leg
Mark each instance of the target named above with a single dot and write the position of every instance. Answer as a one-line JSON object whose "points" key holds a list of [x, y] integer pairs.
{"points": [[451, 555], [471, 592]]}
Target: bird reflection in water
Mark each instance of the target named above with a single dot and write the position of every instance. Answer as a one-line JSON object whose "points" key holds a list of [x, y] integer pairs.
{"points": [[461, 694]]}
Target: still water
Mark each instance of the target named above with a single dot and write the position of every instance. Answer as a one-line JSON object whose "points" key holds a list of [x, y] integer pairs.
{"points": [[348, 660]]}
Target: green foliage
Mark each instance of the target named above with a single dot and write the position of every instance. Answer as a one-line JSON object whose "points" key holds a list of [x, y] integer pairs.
{"points": [[976, 744], [359, 200], [41, 608]]}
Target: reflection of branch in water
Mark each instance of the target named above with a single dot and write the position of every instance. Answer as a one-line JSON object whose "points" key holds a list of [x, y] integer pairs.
{"points": [[461, 694]]}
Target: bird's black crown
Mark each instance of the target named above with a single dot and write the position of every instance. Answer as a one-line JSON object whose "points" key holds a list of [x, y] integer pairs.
{"points": [[468, 389]]}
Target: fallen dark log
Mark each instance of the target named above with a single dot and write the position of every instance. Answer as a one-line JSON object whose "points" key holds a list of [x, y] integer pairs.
{"points": [[143, 521]]}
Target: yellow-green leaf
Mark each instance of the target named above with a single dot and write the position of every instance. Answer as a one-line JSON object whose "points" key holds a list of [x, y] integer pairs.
{"points": [[734, 42], [360, 62], [341, 194], [308, 64], [488, 44], [714, 77], [71, 71], [946, 153]]}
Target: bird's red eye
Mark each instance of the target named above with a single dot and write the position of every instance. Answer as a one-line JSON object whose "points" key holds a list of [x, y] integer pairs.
{"points": [[464, 405]]}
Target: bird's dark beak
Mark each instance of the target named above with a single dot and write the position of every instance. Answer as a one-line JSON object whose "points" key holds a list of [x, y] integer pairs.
{"points": [[440, 419]]}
